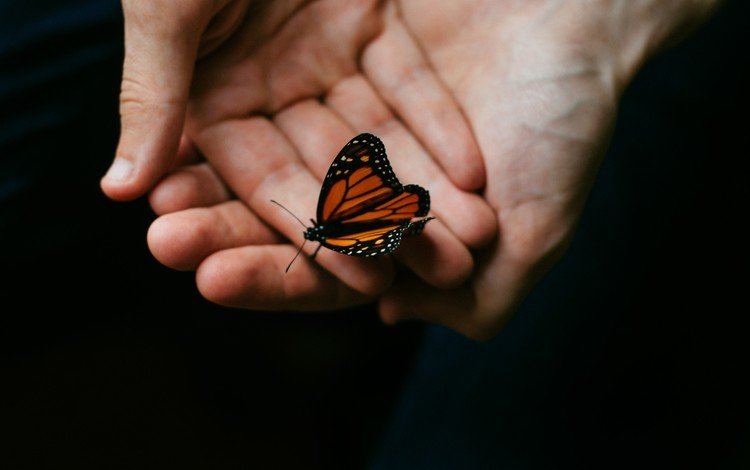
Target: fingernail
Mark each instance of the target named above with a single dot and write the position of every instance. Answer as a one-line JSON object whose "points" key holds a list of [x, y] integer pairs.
{"points": [[121, 170]]}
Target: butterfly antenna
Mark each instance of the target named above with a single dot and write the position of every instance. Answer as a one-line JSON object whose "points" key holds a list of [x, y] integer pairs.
{"points": [[295, 256], [290, 212]]}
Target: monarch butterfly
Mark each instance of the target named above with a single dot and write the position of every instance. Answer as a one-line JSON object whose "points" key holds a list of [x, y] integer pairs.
{"points": [[363, 210]]}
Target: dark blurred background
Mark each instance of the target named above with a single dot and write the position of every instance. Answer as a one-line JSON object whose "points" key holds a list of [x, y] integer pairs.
{"points": [[632, 352]]}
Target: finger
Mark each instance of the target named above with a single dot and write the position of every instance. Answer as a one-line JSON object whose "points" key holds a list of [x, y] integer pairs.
{"points": [[411, 299], [182, 240], [160, 52], [316, 132], [478, 309], [259, 164], [253, 277], [187, 153], [464, 213], [398, 70], [437, 256], [459, 309], [189, 186]]}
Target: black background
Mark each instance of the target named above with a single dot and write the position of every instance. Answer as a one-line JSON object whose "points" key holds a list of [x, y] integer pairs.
{"points": [[111, 360]]}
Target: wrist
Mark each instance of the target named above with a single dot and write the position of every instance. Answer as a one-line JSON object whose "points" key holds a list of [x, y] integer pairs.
{"points": [[647, 27]]}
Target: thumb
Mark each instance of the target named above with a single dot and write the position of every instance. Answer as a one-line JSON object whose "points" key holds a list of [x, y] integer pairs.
{"points": [[160, 52]]}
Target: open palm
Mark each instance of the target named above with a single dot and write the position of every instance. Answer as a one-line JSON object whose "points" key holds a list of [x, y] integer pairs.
{"points": [[539, 83]]}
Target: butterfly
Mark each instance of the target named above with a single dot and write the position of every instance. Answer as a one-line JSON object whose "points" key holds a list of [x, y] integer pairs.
{"points": [[363, 210]]}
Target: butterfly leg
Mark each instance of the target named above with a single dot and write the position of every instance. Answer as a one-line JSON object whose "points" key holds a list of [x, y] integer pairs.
{"points": [[312, 256], [415, 228]]}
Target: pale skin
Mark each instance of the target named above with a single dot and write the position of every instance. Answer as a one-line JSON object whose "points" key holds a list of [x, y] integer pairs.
{"points": [[502, 109]]}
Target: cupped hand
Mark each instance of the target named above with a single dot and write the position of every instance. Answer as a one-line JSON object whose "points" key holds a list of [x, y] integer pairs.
{"points": [[270, 102], [539, 83]]}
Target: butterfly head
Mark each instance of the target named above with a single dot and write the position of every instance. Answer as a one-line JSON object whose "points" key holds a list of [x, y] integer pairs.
{"points": [[314, 233]]}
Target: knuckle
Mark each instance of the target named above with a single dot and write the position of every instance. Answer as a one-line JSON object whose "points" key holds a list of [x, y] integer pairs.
{"points": [[137, 96]]}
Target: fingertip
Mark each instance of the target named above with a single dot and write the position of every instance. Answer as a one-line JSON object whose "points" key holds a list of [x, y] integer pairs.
{"points": [[437, 257], [176, 192], [472, 220], [242, 278], [211, 278], [178, 241], [373, 286], [164, 244], [120, 182], [391, 311], [471, 173], [121, 170], [485, 225], [458, 270], [189, 187], [466, 176], [126, 179], [371, 283], [163, 199], [462, 161]]}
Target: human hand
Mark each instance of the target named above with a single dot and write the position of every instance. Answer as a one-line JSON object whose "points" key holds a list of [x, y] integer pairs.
{"points": [[163, 41], [539, 82], [300, 67], [559, 80]]}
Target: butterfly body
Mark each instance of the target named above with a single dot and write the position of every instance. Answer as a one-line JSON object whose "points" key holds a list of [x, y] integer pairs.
{"points": [[363, 210], [363, 239]]}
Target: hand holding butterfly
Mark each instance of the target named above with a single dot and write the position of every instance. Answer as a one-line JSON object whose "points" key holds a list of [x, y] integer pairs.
{"points": [[539, 83], [278, 90]]}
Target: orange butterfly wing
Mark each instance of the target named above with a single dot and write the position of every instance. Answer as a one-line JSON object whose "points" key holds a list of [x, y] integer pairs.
{"points": [[363, 209]]}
